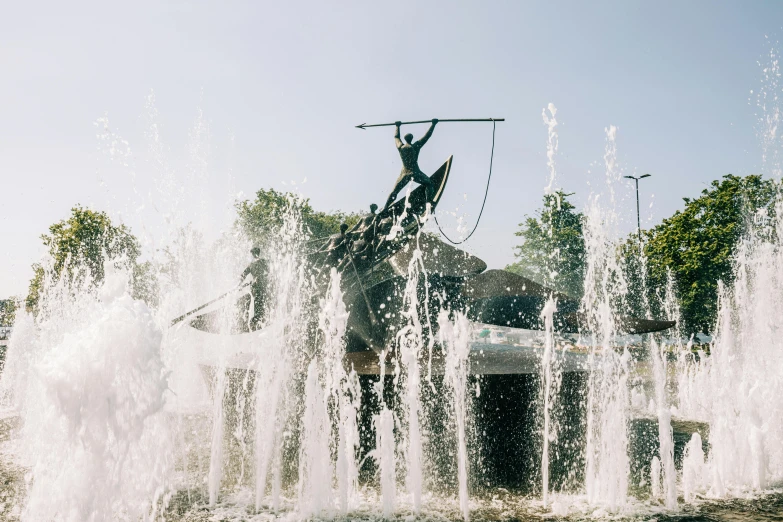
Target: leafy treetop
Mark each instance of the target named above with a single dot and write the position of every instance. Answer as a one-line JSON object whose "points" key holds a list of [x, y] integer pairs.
{"points": [[79, 246], [7, 311], [553, 249], [263, 216], [698, 243]]}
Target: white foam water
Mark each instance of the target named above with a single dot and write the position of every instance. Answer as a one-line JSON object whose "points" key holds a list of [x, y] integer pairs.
{"points": [[668, 475], [552, 375], [551, 367], [607, 464], [455, 335], [216, 447], [739, 383], [344, 393], [89, 383], [330, 424], [315, 473], [693, 472], [655, 477], [280, 366], [736, 388], [385, 458], [410, 345]]}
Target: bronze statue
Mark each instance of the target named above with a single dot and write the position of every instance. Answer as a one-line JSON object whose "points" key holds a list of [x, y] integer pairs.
{"points": [[409, 153], [374, 266], [336, 247], [259, 291], [364, 226]]}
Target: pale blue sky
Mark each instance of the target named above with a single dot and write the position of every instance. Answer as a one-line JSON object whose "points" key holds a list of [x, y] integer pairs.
{"points": [[282, 85]]}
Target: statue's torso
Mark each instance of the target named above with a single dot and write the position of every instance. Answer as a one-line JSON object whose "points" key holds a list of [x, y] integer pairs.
{"points": [[260, 271], [410, 158]]}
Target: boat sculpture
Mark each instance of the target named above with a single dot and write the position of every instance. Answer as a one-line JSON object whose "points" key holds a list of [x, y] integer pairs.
{"points": [[375, 258]]}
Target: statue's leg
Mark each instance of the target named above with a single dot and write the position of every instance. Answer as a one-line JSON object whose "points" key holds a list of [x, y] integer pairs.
{"points": [[422, 179], [401, 182], [259, 307]]}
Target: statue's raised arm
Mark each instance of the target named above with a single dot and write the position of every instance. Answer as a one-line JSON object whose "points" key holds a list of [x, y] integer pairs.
{"points": [[397, 139], [419, 144]]}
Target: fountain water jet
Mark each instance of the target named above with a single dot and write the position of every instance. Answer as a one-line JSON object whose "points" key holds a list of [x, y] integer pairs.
{"points": [[305, 402], [606, 459], [95, 435], [410, 341], [551, 368], [384, 455], [343, 391], [315, 473], [665, 435], [218, 426], [552, 377], [455, 339]]}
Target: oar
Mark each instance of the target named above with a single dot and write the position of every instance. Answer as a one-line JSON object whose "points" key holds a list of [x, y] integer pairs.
{"points": [[218, 298]]}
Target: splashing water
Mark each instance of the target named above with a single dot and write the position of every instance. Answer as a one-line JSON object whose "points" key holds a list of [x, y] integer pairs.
{"points": [[739, 382], [655, 476], [90, 387], [344, 391], [410, 344], [692, 468], [736, 387], [385, 446], [552, 143], [315, 476], [105, 394], [455, 338], [218, 426], [551, 368], [552, 374], [667, 473], [606, 452]]}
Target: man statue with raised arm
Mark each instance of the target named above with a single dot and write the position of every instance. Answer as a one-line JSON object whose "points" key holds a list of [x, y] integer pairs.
{"points": [[409, 153]]}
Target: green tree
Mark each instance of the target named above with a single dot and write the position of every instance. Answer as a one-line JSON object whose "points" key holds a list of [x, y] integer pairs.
{"points": [[552, 252], [698, 244], [262, 217], [8, 309], [79, 247]]}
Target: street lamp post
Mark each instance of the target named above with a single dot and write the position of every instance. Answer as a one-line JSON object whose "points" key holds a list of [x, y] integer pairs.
{"points": [[638, 218]]}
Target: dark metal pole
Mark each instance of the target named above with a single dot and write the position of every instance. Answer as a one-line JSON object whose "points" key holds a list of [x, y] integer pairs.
{"points": [[638, 218], [188, 314], [638, 213], [365, 126]]}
